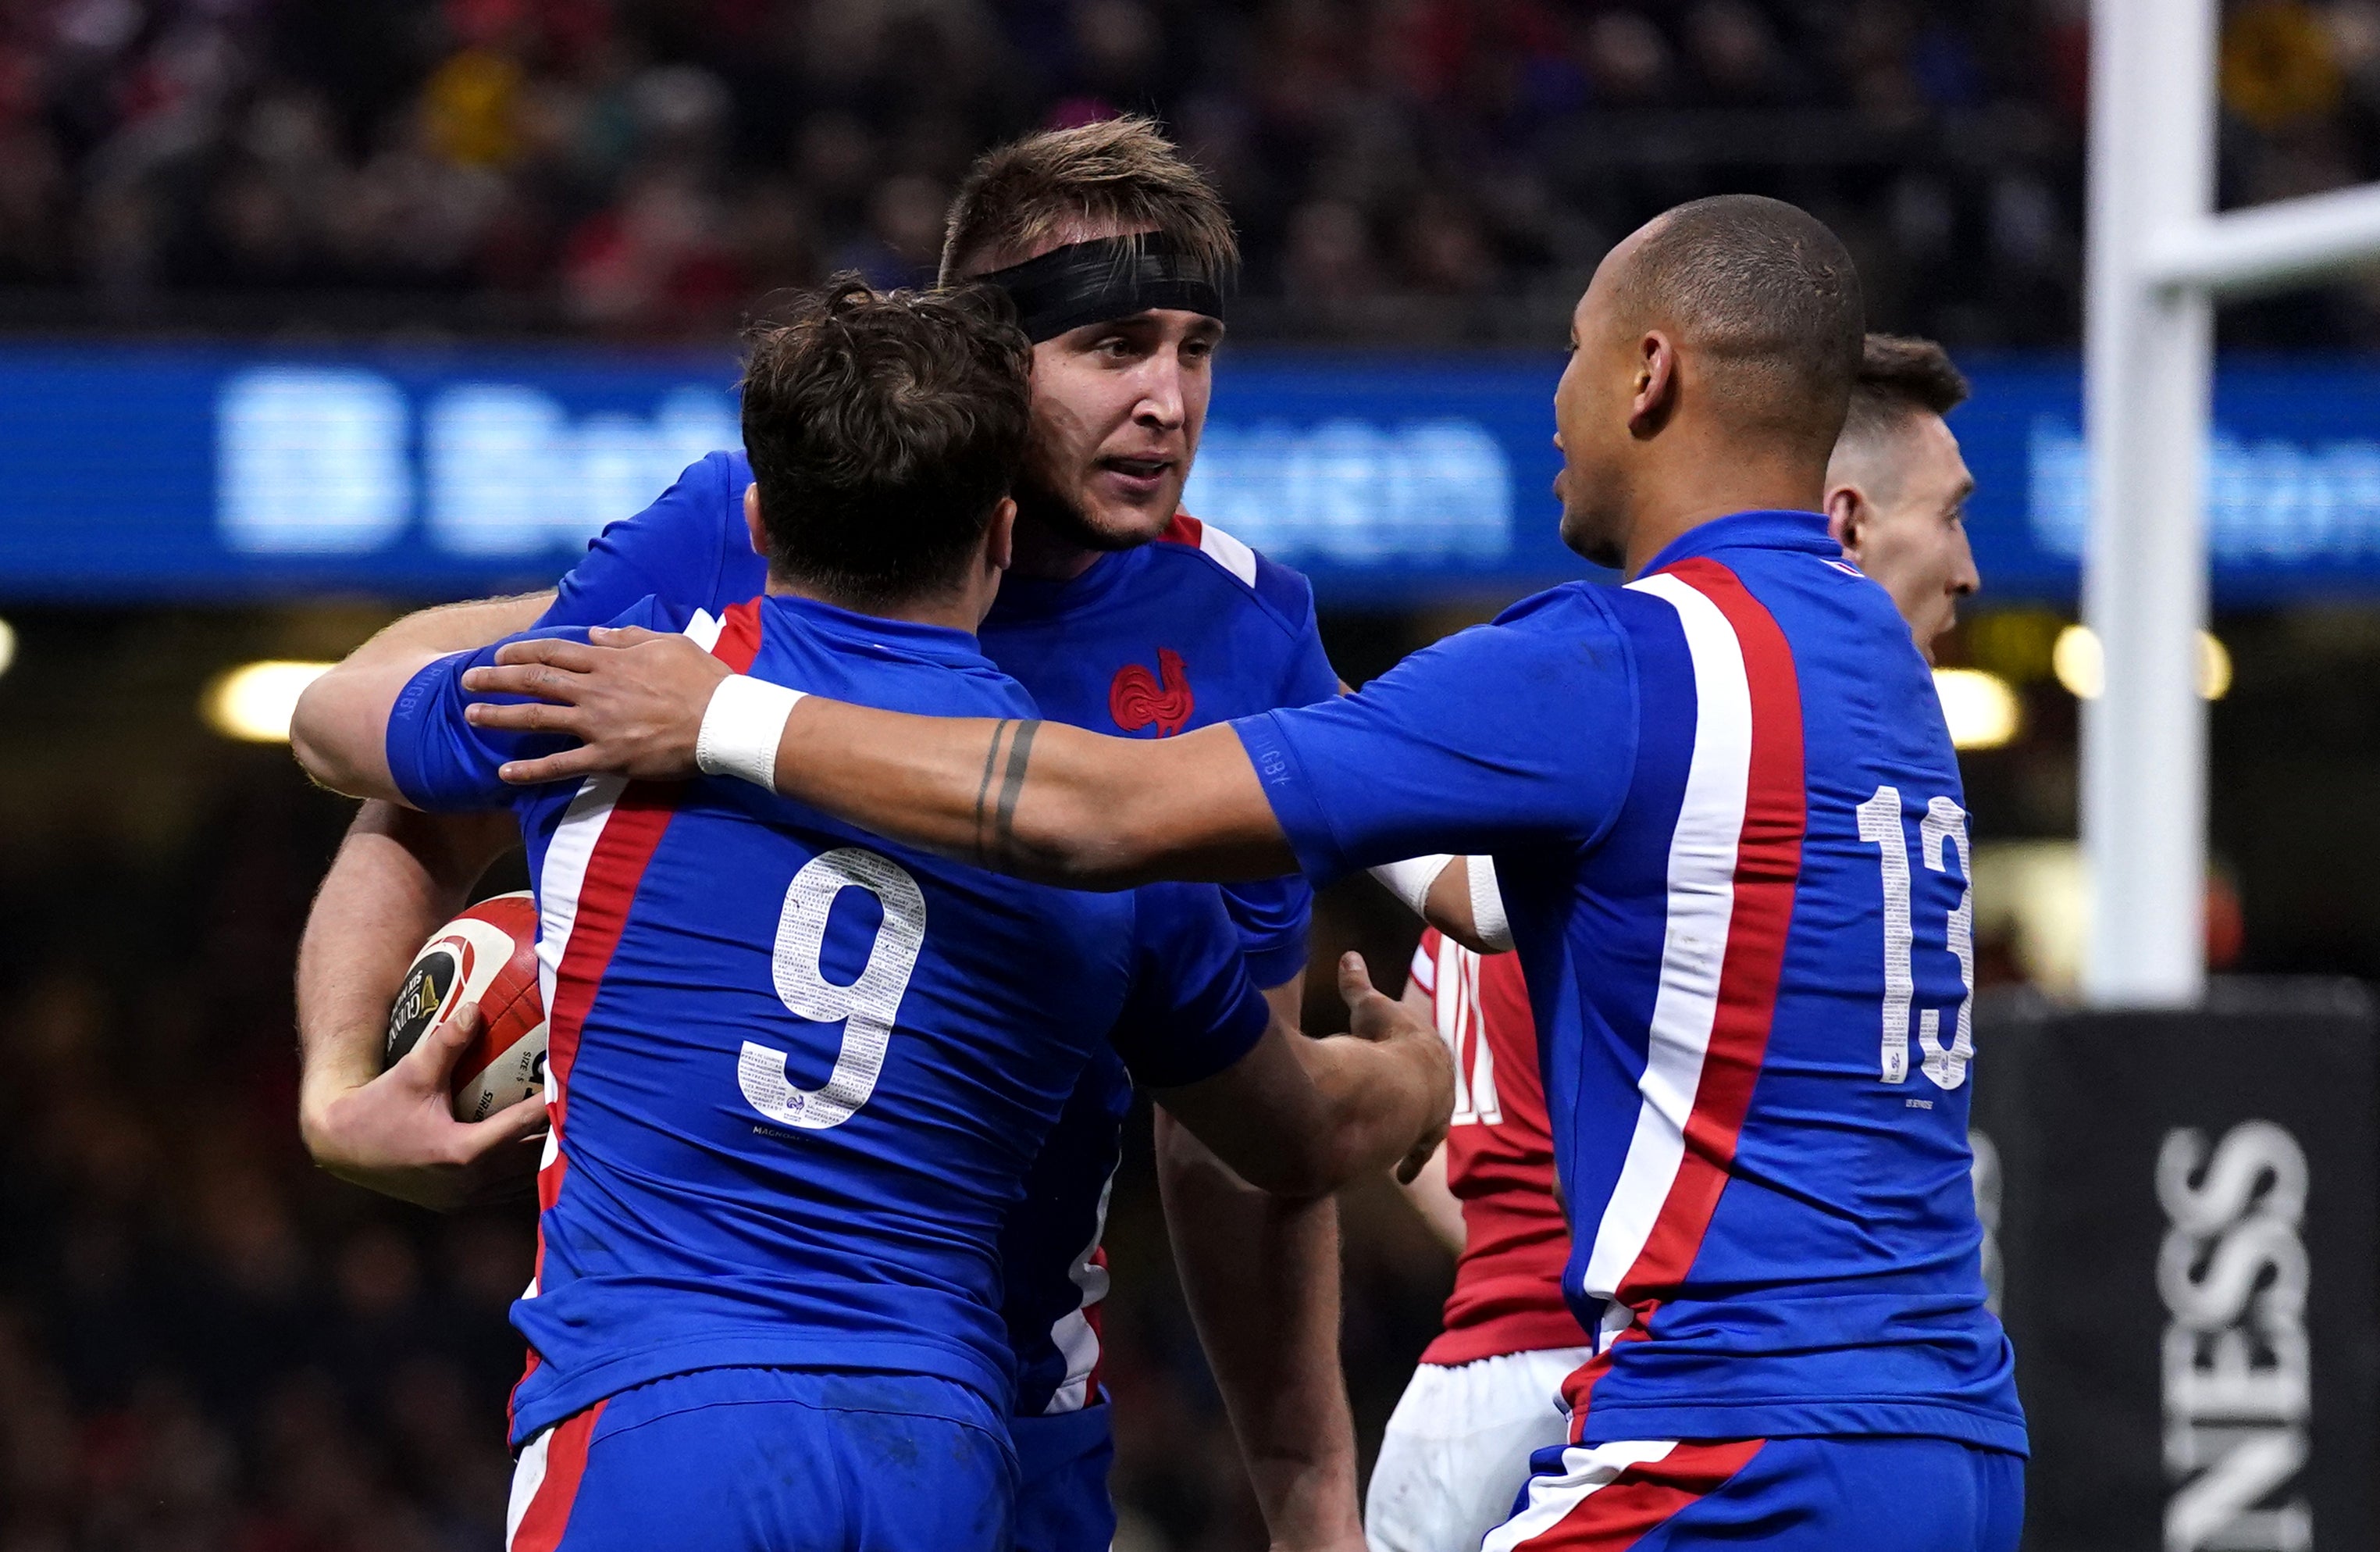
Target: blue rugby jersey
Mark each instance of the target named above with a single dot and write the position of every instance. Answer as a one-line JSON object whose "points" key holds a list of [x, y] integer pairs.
{"points": [[798, 1075], [1168, 637], [1162, 639], [1729, 827]]}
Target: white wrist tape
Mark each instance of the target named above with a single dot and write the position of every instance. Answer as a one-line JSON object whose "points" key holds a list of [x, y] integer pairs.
{"points": [[1487, 920], [1410, 880], [741, 729]]}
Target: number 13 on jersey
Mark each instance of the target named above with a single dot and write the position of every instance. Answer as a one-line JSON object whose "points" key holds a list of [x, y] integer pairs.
{"points": [[1945, 822]]}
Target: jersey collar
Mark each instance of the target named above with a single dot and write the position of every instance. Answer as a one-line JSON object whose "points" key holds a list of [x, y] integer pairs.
{"points": [[1774, 530], [1028, 598], [938, 643]]}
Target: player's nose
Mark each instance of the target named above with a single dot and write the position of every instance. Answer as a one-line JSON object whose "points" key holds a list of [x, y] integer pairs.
{"points": [[1161, 407], [1162, 400], [1966, 581]]}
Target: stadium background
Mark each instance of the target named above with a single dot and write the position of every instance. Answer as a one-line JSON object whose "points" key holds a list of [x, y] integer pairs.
{"points": [[204, 1343]]}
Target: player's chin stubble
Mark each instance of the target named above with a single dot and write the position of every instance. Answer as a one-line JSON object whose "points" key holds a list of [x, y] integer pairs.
{"points": [[1060, 515]]}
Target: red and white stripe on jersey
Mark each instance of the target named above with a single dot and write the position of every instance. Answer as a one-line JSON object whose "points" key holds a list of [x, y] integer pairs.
{"points": [[1460, 1024], [1607, 1498], [1077, 1333], [1507, 1296], [1734, 862], [1217, 546], [588, 879], [545, 1483]]}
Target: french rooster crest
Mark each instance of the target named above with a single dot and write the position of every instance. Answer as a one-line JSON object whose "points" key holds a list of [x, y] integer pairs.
{"points": [[1137, 697]]}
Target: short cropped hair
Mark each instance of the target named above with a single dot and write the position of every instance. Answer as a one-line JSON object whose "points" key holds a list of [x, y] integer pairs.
{"points": [[1116, 172], [1901, 377], [1768, 297], [883, 429]]}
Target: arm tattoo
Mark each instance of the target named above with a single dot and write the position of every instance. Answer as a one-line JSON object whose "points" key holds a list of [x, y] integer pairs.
{"points": [[1012, 787], [983, 793]]}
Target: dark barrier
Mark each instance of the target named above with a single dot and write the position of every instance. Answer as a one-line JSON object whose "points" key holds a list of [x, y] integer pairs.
{"points": [[2183, 1209]]}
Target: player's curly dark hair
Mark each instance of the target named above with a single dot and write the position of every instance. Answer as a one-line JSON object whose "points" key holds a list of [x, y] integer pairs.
{"points": [[883, 429]]}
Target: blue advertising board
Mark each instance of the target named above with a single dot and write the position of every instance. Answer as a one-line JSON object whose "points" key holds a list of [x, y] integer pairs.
{"points": [[173, 472]]}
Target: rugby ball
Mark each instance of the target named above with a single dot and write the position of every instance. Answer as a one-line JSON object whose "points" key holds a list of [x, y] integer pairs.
{"points": [[487, 954]]}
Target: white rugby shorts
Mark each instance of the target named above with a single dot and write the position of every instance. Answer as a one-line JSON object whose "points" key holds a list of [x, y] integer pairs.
{"points": [[1457, 1448]]}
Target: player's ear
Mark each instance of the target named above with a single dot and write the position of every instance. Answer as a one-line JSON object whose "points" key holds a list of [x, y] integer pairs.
{"points": [[999, 535], [1846, 515], [752, 518], [1656, 387]]}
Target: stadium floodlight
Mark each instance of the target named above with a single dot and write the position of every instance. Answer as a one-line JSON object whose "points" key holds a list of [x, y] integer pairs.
{"points": [[2158, 257], [254, 702], [1982, 710]]}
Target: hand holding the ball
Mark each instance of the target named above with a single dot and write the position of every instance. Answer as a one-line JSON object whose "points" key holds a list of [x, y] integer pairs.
{"points": [[397, 1134], [632, 698]]}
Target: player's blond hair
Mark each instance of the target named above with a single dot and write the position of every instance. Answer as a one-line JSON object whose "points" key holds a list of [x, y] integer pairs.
{"points": [[1118, 173]]}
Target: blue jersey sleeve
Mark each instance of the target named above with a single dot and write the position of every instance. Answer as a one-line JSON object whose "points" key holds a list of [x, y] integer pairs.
{"points": [[675, 549], [1519, 732], [1193, 1011], [443, 764], [1273, 914]]}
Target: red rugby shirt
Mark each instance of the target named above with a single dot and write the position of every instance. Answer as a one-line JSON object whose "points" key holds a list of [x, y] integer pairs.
{"points": [[1499, 1163]]}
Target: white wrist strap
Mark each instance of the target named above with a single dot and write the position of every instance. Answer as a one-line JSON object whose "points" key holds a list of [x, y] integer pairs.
{"points": [[1410, 880], [1487, 920], [742, 727]]}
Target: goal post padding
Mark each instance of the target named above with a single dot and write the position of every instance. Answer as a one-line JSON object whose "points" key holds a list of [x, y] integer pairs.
{"points": [[2181, 1210]]}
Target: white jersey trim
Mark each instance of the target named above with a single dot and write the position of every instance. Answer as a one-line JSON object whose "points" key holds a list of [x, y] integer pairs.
{"points": [[564, 874], [528, 1475], [1586, 1471], [1693, 948], [1077, 1339], [1227, 552], [573, 847]]}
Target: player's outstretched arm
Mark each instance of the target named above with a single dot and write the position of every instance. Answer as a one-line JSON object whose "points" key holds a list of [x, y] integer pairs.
{"points": [[445, 628], [396, 877], [1303, 1118], [1039, 799], [339, 730], [434, 632], [341, 722]]}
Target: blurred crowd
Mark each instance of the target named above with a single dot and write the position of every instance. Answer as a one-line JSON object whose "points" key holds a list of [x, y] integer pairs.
{"points": [[1409, 169], [208, 1346]]}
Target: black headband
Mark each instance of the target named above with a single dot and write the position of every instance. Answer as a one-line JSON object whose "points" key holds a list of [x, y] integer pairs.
{"points": [[1107, 277]]}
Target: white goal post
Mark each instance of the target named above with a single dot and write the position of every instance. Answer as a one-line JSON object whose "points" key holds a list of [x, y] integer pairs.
{"points": [[2157, 258]]}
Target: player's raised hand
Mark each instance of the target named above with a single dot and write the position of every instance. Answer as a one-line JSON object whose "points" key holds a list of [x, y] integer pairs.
{"points": [[632, 698], [397, 1134], [1374, 1016]]}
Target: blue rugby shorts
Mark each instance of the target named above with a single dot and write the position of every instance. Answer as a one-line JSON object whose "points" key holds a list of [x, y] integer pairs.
{"points": [[769, 1461], [1838, 1494]]}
